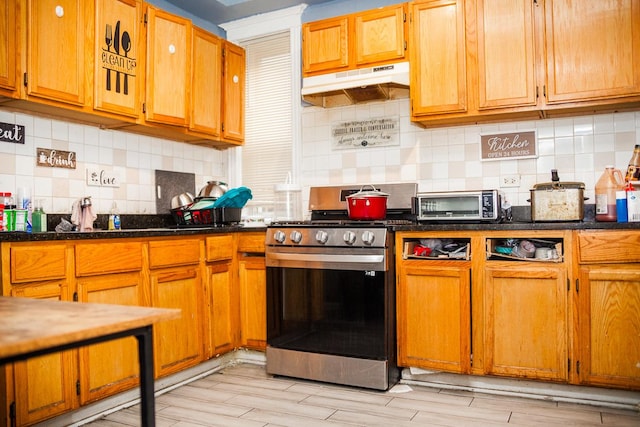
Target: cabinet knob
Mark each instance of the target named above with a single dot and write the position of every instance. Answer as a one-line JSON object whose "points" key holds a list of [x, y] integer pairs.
{"points": [[59, 11], [172, 49]]}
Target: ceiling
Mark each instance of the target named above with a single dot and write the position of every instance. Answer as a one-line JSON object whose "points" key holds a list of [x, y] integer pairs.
{"points": [[220, 11]]}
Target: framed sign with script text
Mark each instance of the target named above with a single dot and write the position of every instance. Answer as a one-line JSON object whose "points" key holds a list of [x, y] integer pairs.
{"points": [[513, 145], [55, 158]]}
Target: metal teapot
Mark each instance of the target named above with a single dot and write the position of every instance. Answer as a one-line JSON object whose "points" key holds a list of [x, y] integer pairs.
{"points": [[213, 189]]}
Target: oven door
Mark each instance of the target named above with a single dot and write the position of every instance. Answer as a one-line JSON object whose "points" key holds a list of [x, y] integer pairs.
{"points": [[344, 309]]}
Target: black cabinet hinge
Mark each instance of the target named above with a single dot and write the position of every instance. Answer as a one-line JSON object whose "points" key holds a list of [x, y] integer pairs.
{"points": [[568, 284], [144, 108], [75, 296], [222, 127], [405, 45], [544, 91], [537, 92], [577, 285], [78, 387], [145, 19], [25, 79], [578, 367], [404, 17], [12, 413], [568, 365]]}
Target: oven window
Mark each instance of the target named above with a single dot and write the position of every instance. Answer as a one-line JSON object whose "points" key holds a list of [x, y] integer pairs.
{"points": [[327, 311]]}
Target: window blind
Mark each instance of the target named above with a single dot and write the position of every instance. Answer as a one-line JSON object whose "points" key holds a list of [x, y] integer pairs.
{"points": [[267, 151]]}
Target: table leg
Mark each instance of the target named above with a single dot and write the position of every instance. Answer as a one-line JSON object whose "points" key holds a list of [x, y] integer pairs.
{"points": [[145, 357]]}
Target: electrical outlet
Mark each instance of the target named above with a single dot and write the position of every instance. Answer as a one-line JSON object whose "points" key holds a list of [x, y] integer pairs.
{"points": [[510, 181]]}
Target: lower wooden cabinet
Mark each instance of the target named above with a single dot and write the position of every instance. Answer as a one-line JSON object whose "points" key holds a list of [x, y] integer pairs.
{"points": [[608, 293], [526, 320], [253, 301], [176, 282], [434, 314]]}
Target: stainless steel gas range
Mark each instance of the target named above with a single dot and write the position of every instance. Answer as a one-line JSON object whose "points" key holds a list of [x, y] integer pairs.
{"points": [[331, 292]]}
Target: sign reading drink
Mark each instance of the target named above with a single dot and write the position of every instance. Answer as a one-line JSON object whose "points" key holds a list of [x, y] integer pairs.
{"points": [[56, 158], [515, 145]]}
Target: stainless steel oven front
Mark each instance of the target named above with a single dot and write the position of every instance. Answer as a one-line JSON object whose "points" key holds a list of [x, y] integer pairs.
{"points": [[331, 304]]}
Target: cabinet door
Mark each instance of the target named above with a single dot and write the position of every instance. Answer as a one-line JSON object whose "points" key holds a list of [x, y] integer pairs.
{"points": [[609, 325], [206, 83], [593, 49], [380, 35], [117, 76], [253, 302], [168, 68], [437, 50], [506, 53], [44, 385], [8, 45], [178, 342], [526, 321], [325, 45], [223, 322], [434, 315], [110, 367], [56, 48], [234, 82]]}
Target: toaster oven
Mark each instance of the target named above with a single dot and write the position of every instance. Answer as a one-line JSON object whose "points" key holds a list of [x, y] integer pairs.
{"points": [[451, 206]]}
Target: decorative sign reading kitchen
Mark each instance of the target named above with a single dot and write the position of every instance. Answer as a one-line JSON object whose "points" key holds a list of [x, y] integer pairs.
{"points": [[515, 145], [56, 158], [366, 133], [11, 133]]}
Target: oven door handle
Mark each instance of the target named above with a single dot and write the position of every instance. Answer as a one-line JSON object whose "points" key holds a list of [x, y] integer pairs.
{"points": [[328, 258]]}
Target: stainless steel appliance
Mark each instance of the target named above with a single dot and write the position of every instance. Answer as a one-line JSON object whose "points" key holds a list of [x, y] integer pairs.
{"points": [[451, 206], [331, 291]]}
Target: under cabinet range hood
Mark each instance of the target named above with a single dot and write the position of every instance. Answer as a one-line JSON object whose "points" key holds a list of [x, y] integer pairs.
{"points": [[378, 83]]}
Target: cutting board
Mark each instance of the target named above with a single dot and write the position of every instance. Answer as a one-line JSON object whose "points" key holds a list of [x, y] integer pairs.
{"points": [[169, 184]]}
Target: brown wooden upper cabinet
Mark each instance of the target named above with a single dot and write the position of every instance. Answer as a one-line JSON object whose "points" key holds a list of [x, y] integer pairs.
{"points": [[8, 48], [376, 36], [233, 93], [495, 59], [168, 68], [57, 62], [118, 75]]}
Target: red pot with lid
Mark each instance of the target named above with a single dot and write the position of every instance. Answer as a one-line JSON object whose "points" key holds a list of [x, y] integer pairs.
{"points": [[367, 204]]}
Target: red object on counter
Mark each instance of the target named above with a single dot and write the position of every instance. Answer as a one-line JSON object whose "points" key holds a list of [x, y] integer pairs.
{"points": [[367, 205]]}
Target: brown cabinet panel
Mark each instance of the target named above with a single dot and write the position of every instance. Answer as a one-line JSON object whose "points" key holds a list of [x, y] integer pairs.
{"points": [[57, 50], [220, 248], [38, 262], [234, 85], [223, 315], [526, 319], [251, 242], [593, 49], [206, 83], [44, 386], [168, 68], [9, 53], [110, 367], [434, 315], [253, 302], [438, 63], [169, 253], [108, 257], [609, 316], [325, 45], [118, 56], [380, 35], [598, 246], [506, 53]]}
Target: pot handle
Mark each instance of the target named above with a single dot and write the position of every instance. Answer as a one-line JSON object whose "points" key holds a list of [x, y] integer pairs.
{"points": [[368, 185]]}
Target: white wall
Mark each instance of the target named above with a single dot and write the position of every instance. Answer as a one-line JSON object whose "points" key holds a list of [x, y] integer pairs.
{"points": [[449, 158], [133, 157]]}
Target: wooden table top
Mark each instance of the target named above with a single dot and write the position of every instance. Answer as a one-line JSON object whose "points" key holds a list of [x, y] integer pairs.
{"points": [[28, 324]]}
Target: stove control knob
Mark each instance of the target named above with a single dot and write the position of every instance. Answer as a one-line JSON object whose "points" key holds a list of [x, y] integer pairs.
{"points": [[349, 237], [279, 236], [368, 237], [295, 236], [322, 237]]}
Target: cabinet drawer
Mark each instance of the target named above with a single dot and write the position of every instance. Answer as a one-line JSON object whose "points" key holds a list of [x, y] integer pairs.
{"points": [[220, 247], [38, 263], [608, 246], [251, 242], [169, 253], [112, 257]]}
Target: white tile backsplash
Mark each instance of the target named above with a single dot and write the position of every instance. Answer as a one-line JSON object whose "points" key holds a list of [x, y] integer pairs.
{"points": [[133, 156], [449, 158]]}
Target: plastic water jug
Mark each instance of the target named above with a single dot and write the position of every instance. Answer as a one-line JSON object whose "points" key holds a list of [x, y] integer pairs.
{"points": [[609, 182]]}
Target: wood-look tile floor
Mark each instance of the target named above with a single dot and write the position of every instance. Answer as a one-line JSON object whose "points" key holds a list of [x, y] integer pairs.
{"points": [[245, 396]]}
